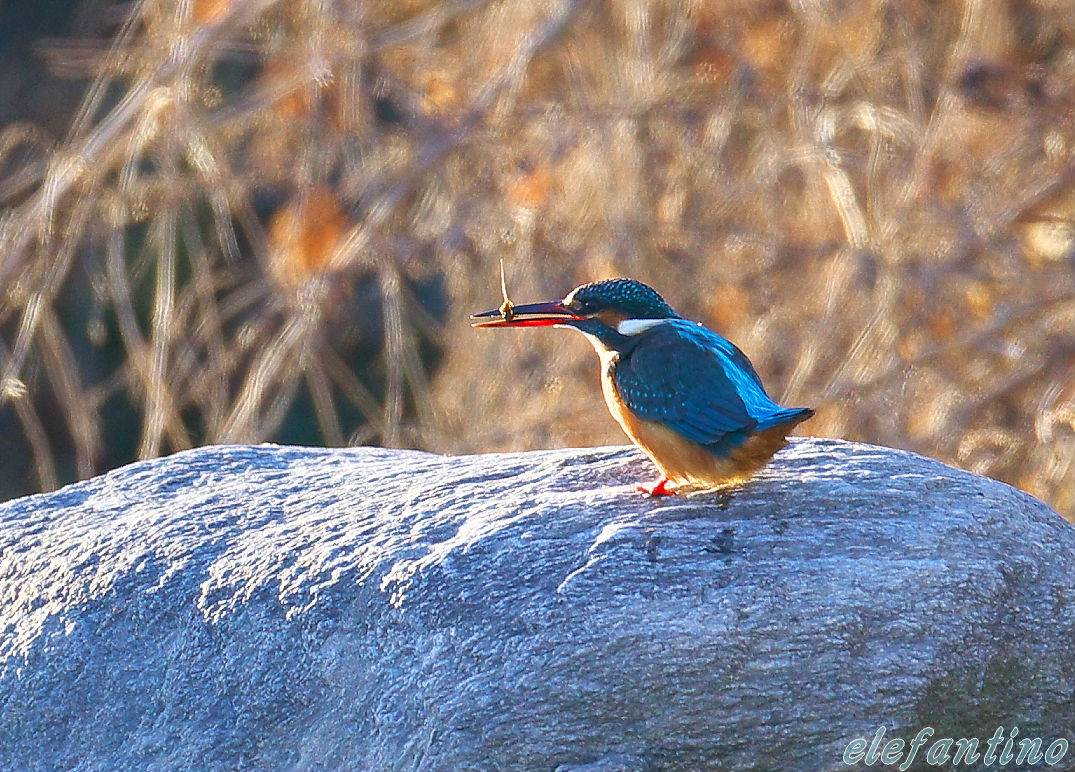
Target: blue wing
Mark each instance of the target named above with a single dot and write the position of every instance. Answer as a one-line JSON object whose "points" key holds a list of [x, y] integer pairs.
{"points": [[697, 383]]}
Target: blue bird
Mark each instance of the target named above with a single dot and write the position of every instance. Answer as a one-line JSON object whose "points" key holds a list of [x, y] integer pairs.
{"points": [[687, 397]]}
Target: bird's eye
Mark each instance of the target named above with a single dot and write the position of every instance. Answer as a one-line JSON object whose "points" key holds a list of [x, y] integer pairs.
{"points": [[584, 306]]}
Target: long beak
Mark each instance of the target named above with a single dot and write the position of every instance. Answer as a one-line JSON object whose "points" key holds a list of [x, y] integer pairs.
{"points": [[529, 315]]}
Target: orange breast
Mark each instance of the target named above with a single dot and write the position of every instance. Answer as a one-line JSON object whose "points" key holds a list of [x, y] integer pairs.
{"points": [[688, 464]]}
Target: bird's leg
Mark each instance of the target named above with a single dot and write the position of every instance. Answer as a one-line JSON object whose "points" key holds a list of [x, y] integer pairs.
{"points": [[657, 489]]}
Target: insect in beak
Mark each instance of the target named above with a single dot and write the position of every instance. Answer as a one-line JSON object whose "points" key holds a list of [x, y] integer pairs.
{"points": [[527, 315], [507, 310]]}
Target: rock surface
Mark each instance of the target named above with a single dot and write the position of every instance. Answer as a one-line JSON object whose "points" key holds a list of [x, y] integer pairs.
{"points": [[292, 608]]}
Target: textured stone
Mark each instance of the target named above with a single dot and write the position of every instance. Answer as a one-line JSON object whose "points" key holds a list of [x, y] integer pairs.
{"points": [[294, 608]]}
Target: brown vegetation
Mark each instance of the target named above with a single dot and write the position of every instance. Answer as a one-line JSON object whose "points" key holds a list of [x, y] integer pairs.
{"points": [[874, 199]]}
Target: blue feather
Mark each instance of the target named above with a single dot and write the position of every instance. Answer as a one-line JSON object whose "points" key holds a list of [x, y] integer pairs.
{"points": [[697, 383]]}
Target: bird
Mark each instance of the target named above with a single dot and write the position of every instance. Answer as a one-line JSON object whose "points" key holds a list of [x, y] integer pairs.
{"points": [[686, 396]]}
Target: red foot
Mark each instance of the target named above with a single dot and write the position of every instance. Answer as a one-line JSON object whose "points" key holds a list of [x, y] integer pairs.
{"points": [[657, 489]]}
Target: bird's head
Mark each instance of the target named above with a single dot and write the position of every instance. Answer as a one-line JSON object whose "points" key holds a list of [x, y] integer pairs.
{"points": [[602, 308]]}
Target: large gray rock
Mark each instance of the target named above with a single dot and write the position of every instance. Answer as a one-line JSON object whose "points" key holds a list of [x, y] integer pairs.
{"points": [[288, 608]]}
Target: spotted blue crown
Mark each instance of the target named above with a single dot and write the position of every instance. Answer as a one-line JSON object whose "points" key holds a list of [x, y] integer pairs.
{"points": [[632, 297]]}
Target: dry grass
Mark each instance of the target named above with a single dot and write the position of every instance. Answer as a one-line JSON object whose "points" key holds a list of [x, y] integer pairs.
{"points": [[874, 199]]}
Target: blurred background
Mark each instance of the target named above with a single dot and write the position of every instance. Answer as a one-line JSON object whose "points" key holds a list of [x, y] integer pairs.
{"points": [[268, 220]]}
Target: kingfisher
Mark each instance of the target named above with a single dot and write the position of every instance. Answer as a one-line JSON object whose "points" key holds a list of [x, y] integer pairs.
{"points": [[687, 397]]}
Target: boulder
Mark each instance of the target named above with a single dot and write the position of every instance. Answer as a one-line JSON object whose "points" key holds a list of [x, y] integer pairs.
{"points": [[272, 608]]}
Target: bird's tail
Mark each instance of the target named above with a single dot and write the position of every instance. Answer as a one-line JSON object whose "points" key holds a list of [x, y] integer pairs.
{"points": [[787, 418]]}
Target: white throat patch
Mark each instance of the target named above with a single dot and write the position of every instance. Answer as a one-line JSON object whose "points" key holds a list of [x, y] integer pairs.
{"points": [[637, 326]]}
